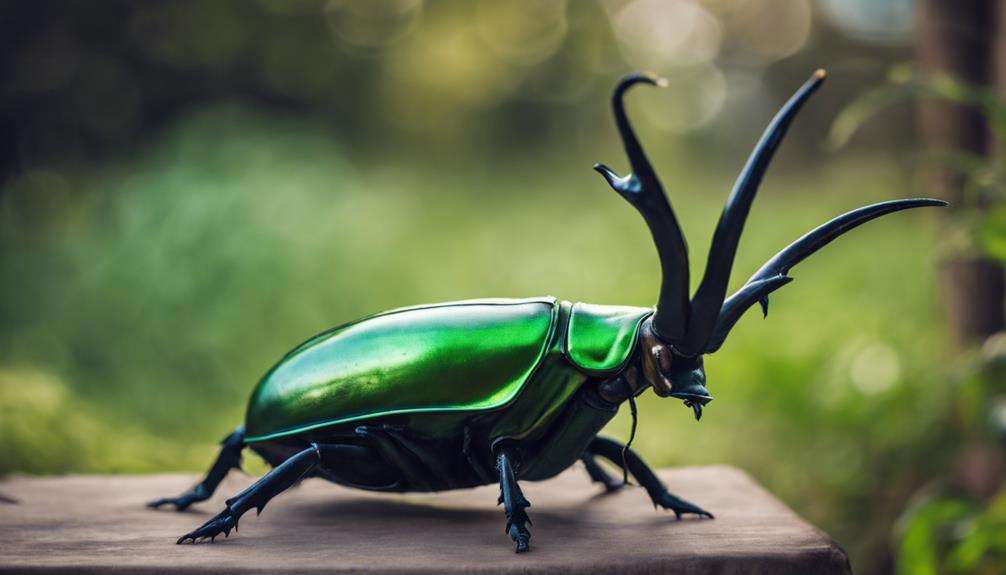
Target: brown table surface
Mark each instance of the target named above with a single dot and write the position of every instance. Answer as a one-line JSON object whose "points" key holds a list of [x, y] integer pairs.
{"points": [[98, 524]]}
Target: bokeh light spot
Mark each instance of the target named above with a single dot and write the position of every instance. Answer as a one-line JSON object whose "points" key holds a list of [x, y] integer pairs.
{"points": [[772, 29], [887, 22], [875, 368], [659, 33], [695, 96], [372, 24], [522, 32]]}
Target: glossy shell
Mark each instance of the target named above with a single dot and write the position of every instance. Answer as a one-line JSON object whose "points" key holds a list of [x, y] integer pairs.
{"points": [[600, 338], [461, 356], [464, 356]]}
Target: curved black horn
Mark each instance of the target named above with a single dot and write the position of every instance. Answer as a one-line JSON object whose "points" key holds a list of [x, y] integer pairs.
{"points": [[642, 189], [705, 306], [737, 304], [772, 275]]}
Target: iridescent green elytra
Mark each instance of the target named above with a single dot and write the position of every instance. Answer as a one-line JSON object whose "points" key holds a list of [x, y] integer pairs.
{"points": [[469, 393], [461, 357]]}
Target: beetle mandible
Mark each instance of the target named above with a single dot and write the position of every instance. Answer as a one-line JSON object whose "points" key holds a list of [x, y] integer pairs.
{"points": [[456, 395]]}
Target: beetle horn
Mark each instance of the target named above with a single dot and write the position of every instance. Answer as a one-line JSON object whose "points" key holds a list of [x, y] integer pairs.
{"points": [[642, 189], [709, 297], [772, 275]]}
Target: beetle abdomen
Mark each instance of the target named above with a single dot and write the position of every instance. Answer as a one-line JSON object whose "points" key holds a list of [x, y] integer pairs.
{"points": [[460, 356]]}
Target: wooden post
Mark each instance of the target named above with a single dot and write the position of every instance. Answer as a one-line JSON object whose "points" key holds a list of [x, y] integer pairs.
{"points": [[958, 38]]}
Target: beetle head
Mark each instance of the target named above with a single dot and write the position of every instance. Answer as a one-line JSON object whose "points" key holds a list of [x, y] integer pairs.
{"points": [[671, 374]]}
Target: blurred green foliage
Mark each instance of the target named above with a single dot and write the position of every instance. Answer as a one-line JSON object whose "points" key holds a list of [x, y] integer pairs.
{"points": [[150, 298], [979, 225], [192, 188], [957, 522], [951, 536]]}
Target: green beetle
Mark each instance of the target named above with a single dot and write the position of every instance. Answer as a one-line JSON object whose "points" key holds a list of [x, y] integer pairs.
{"points": [[470, 393]]}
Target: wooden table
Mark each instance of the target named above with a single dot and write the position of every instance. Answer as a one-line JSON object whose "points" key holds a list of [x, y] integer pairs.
{"points": [[98, 524]]}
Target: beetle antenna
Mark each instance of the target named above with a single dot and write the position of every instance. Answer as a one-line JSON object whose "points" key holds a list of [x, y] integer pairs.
{"points": [[772, 275], [643, 190], [709, 297]]}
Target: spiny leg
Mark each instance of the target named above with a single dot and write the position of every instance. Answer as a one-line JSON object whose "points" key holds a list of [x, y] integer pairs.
{"points": [[612, 451], [228, 458], [598, 474], [513, 502], [268, 486], [278, 481]]}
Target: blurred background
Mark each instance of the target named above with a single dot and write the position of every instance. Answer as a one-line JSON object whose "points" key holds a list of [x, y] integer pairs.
{"points": [[189, 189]]}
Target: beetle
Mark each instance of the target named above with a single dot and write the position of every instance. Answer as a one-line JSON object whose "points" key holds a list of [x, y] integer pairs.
{"points": [[462, 394]]}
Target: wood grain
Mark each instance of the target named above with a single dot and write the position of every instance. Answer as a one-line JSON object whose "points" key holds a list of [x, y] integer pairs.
{"points": [[98, 524]]}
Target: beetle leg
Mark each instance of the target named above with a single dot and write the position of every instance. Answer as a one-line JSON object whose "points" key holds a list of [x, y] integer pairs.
{"points": [[393, 451], [513, 502], [599, 475], [411, 444], [229, 458], [257, 495], [473, 461], [612, 451]]}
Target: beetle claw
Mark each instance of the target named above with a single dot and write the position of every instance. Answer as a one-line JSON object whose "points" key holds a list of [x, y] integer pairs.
{"points": [[679, 506], [222, 523]]}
